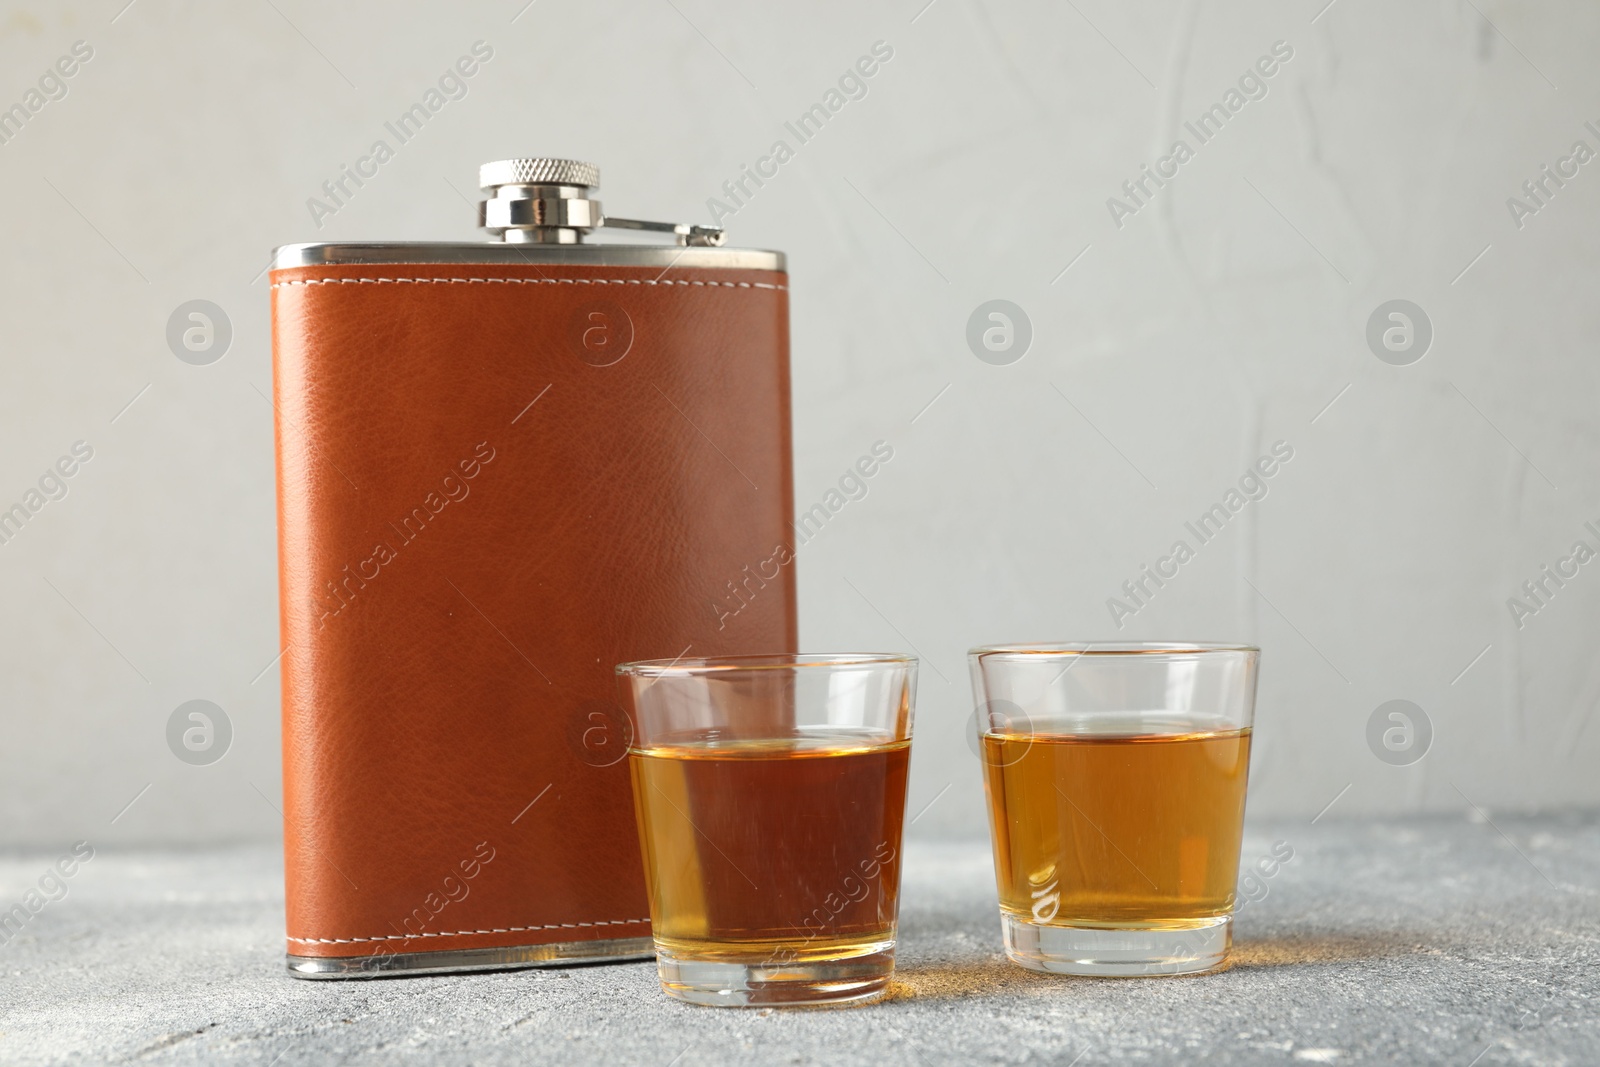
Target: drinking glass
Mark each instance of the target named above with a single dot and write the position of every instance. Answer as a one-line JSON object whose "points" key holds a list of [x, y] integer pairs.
{"points": [[1116, 777], [770, 792]]}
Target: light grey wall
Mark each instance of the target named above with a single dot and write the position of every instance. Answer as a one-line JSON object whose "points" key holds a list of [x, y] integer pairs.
{"points": [[1168, 352]]}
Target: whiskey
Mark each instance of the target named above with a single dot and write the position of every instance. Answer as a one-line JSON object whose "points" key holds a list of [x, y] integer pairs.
{"points": [[770, 793], [1117, 831], [773, 852]]}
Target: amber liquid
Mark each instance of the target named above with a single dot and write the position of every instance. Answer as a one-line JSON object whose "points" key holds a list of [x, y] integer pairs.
{"points": [[772, 852], [1117, 831]]}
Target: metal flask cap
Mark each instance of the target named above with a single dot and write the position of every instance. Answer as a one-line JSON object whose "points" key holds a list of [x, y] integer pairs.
{"points": [[542, 200]]}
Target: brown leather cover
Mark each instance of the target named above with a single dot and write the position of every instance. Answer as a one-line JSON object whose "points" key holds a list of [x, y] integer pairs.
{"points": [[460, 572]]}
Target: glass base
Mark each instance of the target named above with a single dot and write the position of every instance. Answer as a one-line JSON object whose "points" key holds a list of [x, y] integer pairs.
{"points": [[1111, 952], [763, 985]]}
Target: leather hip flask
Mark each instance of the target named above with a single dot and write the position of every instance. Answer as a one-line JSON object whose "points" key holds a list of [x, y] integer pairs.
{"points": [[504, 468]]}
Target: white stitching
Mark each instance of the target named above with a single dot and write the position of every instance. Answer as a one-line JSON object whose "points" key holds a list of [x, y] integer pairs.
{"points": [[463, 933], [529, 281]]}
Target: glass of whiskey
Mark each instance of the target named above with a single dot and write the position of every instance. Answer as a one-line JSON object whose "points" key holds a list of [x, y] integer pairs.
{"points": [[770, 792], [1115, 776]]}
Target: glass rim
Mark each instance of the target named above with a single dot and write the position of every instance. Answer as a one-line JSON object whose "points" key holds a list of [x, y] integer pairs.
{"points": [[773, 661], [1063, 649]]}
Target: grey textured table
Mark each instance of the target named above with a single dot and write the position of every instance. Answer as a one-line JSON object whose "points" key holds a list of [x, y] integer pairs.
{"points": [[1418, 941]]}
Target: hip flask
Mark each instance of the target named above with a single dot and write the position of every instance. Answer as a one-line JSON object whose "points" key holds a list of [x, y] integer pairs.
{"points": [[503, 468]]}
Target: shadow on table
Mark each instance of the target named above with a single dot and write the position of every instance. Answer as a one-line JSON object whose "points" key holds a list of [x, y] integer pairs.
{"points": [[953, 981], [1290, 951]]}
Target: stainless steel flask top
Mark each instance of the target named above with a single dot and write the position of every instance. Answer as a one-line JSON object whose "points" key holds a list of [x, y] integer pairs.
{"points": [[539, 200], [539, 209]]}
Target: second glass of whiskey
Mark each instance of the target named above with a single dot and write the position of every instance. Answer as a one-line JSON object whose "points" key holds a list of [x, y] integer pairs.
{"points": [[1116, 783], [770, 793]]}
